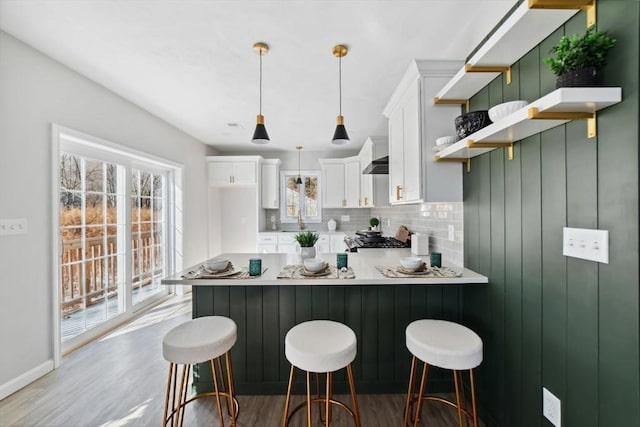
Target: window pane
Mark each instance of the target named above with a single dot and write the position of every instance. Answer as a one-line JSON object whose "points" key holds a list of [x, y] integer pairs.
{"points": [[94, 175], [135, 183], [158, 185], [311, 196], [112, 178], [70, 177], [145, 184]]}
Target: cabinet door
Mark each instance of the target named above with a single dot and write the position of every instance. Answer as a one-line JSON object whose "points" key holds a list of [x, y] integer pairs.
{"points": [[333, 185], [411, 147], [269, 183], [366, 181], [220, 173], [352, 183], [337, 243], [323, 245], [396, 175], [244, 173]]}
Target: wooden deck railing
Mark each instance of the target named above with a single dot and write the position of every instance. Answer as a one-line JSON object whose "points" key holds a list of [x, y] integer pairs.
{"points": [[100, 282]]}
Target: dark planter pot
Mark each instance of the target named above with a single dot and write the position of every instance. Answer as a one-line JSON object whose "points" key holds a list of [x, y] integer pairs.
{"points": [[582, 77]]}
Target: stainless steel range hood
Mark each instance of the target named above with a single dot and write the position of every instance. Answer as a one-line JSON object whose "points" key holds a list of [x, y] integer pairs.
{"points": [[377, 167]]}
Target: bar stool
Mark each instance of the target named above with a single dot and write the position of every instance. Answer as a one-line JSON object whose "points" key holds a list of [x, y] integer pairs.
{"points": [[321, 346], [446, 345], [199, 340]]}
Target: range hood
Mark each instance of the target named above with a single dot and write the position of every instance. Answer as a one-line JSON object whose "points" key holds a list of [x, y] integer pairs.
{"points": [[377, 167]]}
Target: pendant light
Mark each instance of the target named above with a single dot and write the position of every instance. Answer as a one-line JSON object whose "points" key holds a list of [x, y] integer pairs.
{"points": [[260, 135], [299, 179], [340, 136]]}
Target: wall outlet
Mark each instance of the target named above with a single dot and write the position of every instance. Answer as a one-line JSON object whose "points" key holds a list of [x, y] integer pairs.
{"points": [[13, 226], [452, 233], [345, 218], [592, 245], [551, 407]]}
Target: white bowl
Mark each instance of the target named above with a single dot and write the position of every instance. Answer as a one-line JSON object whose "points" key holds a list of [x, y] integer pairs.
{"points": [[501, 111], [314, 265], [218, 264], [411, 263], [446, 140]]}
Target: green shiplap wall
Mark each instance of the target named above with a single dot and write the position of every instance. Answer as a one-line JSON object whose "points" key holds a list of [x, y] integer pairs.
{"points": [[569, 325]]}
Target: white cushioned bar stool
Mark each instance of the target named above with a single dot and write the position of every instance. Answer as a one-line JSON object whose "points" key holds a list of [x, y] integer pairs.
{"points": [[446, 345], [321, 346], [204, 339]]}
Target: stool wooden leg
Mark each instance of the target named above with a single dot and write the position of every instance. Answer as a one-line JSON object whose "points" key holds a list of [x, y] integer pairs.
{"points": [[463, 399], [308, 399], [457, 385], [286, 400], [171, 381], [232, 394], [179, 418], [407, 405], [214, 375], [354, 397], [423, 382], [327, 397], [473, 399]]}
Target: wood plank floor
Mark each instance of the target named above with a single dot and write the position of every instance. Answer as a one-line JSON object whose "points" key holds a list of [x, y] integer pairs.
{"points": [[119, 380]]}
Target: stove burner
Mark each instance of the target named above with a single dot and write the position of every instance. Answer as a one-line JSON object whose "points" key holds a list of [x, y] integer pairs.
{"points": [[385, 243]]}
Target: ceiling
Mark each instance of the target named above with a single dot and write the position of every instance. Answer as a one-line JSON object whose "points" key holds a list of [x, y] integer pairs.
{"points": [[191, 62]]}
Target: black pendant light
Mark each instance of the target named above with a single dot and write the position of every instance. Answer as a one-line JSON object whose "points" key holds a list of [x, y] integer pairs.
{"points": [[340, 136], [299, 179], [260, 135]]}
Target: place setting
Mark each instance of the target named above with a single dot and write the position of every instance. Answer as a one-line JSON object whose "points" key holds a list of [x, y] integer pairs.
{"points": [[318, 268], [416, 267], [222, 269]]}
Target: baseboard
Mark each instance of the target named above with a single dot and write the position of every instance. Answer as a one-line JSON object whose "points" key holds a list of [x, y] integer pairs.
{"points": [[27, 378]]}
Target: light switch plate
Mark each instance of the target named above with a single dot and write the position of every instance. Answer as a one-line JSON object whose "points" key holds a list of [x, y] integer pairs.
{"points": [[551, 407], [13, 226], [592, 245]]}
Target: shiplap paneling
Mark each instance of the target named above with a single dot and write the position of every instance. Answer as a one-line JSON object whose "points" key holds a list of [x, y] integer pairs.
{"points": [[569, 325]]}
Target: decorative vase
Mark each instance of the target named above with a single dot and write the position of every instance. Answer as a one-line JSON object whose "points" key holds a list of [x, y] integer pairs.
{"points": [[309, 252], [331, 225], [582, 77]]}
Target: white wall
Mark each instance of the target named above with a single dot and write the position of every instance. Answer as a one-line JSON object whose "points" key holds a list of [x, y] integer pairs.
{"points": [[36, 91]]}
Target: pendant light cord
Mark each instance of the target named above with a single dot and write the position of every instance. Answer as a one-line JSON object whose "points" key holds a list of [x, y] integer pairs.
{"points": [[260, 82], [340, 81]]}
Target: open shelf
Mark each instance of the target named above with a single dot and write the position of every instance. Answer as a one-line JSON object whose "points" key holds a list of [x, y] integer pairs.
{"points": [[558, 107], [522, 30]]}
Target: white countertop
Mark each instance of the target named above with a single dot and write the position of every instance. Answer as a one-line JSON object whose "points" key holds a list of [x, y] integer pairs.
{"points": [[363, 264]]}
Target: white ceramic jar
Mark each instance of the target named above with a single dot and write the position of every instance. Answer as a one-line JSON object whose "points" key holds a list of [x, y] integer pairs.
{"points": [[331, 224]]}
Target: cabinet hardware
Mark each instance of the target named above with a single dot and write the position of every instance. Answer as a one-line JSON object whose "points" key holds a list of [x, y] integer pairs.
{"points": [[398, 188], [344, 202], [359, 202], [366, 202]]}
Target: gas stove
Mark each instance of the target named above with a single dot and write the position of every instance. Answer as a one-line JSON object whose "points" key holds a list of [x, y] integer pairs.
{"points": [[356, 243]]}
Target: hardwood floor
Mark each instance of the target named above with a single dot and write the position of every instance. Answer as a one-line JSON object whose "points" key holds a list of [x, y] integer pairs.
{"points": [[119, 380]]}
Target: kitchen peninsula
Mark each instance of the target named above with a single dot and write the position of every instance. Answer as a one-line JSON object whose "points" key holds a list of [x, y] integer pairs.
{"points": [[376, 307]]}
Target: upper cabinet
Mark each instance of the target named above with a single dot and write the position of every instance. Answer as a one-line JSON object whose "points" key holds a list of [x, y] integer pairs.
{"points": [[352, 172], [270, 179], [414, 123], [374, 188], [225, 171], [333, 185]]}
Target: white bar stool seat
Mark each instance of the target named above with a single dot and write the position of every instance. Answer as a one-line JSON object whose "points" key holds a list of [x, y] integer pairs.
{"points": [[447, 345], [321, 346], [204, 339]]}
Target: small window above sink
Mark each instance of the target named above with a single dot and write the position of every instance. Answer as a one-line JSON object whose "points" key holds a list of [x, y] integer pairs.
{"points": [[300, 201]]}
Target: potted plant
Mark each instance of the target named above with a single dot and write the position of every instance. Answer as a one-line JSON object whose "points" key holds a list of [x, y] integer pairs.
{"points": [[578, 59], [307, 240], [374, 223]]}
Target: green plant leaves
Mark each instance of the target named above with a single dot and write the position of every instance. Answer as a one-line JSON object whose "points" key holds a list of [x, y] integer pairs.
{"points": [[306, 239], [575, 52]]}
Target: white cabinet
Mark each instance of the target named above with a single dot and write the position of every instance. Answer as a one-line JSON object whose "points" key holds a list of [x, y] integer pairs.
{"points": [[267, 243], [333, 186], [337, 242], [287, 243], [225, 171], [352, 172], [323, 245], [269, 182], [414, 125], [374, 188]]}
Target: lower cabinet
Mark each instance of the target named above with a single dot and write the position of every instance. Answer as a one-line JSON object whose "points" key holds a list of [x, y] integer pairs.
{"points": [[285, 242]]}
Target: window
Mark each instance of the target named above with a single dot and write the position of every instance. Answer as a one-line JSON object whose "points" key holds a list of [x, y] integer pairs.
{"points": [[114, 231], [300, 201]]}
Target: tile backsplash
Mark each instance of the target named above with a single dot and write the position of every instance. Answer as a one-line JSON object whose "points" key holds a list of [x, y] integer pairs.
{"points": [[433, 219], [358, 220]]}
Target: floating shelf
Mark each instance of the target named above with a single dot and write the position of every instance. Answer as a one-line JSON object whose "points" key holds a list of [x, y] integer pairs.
{"points": [[558, 107], [521, 31]]}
